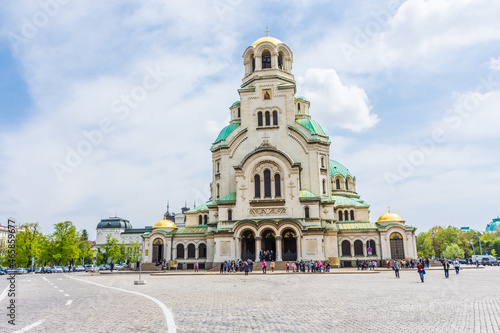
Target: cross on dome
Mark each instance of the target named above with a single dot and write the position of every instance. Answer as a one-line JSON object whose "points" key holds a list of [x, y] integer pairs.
{"points": [[267, 32]]}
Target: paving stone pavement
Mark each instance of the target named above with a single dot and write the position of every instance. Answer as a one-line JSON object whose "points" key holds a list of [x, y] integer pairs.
{"points": [[467, 302]]}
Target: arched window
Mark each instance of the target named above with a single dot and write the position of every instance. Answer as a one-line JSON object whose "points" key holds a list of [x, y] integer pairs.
{"points": [[337, 184], [239, 113], [306, 212], [275, 118], [298, 107], [371, 245], [268, 118], [280, 61], [202, 251], [200, 220], [267, 184], [352, 215], [346, 215], [218, 167], [277, 185], [229, 215], [346, 185], [253, 64], [218, 191], [191, 251], [358, 248], [180, 251], [256, 180], [324, 186], [206, 219], [341, 216], [322, 162], [266, 60], [346, 248], [259, 117]]}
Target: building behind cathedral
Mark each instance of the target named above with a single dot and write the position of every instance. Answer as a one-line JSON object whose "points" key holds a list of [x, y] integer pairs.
{"points": [[274, 186]]}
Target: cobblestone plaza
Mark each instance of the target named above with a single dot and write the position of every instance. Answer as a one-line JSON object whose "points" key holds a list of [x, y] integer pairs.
{"points": [[468, 302]]}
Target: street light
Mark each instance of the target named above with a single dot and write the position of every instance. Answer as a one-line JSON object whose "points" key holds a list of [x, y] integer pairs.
{"points": [[472, 243], [433, 236]]}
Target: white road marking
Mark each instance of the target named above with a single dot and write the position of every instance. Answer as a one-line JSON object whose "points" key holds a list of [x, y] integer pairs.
{"points": [[30, 326], [59, 279], [69, 302], [55, 287], [168, 314], [66, 295], [4, 293], [60, 290]]}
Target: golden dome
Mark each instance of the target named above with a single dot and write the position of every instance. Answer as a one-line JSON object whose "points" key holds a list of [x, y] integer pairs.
{"points": [[390, 217], [271, 40], [164, 224]]}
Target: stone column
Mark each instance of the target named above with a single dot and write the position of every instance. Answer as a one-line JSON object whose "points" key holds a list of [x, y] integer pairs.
{"points": [[174, 252], [237, 242], [352, 249], [365, 251], [299, 247], [278, 248], [257, 247], [274, 60], [258, 63], [196, 252]]}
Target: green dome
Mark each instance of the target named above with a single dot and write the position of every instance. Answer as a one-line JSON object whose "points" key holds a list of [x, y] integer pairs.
{"points": [[235, 103], [302, 98], [338, 169], [114, 222], [312, 126], [226, 131]]}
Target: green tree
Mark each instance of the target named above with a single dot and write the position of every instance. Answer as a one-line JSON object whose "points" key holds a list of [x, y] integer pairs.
{"points": [[65, 242], [111, 249], [453, 251], [27, 244], [494, 253]]}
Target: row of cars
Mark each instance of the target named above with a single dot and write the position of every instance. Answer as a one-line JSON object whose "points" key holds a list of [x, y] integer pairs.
{"points": [[58, 269]]}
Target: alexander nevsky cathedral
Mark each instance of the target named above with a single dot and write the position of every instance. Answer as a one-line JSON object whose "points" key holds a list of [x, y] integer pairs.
{"points": [[274, 187]]}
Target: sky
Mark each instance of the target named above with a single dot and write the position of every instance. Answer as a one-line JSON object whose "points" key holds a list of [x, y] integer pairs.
{"points": [[110, 108]]}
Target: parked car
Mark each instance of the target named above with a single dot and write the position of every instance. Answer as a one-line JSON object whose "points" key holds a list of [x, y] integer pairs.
{"points": [[21, 270], [47, 270], [38, 270], [65, 269], [486, 261], [89, 268], [79, 268], [57, 269], [495, 262]]}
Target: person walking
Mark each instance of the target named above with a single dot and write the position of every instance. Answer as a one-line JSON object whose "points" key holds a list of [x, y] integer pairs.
{"points": [[272, 266], [446, 266], [421, 270], [288, 267], [396, 268], [196, 266], [264, 266], [357, 263], [457, 266]]}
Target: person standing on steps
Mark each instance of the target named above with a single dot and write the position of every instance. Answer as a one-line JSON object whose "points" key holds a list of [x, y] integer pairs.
{"points": [[396, 268]]}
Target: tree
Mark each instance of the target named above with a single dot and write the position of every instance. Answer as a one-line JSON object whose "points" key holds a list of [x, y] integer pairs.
{"points": [[65, 242], [27, 244], [453, 251], [111, 249], [494, 253]]}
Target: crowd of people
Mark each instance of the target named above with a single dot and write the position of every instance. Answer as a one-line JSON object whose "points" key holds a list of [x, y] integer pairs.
{"points": [[234, 266]]}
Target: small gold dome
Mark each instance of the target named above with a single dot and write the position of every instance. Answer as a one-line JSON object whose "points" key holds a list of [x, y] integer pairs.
{"points": [[272, 40], [390, 217], [164, 224]]}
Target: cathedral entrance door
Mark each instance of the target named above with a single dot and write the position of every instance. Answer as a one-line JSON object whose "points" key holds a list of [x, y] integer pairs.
{"points": [[248, 245], [157, 250], [289, 245], [269, 244], [397, 246]]}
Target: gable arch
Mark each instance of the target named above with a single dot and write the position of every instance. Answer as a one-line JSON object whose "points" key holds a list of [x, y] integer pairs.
{"points": [[263, 151]]}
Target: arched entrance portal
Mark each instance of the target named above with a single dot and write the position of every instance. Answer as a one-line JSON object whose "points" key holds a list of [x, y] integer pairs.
{"points": [[397, 246], [289, 245], [269, 244], [157, 250], [248, 245]]}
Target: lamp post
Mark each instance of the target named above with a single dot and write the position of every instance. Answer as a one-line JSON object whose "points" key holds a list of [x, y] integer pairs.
{"points": [[472, 243], [479, 237]]}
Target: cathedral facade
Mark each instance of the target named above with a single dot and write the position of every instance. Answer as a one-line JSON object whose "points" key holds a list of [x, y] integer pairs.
{"points": [[275, 187]]}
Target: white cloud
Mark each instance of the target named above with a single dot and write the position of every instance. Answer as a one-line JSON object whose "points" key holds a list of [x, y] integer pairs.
{"points": [[336, 104], [495, 64]]}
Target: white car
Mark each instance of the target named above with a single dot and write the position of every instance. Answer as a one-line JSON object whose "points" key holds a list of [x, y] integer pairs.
{"points": [[57, 269]]}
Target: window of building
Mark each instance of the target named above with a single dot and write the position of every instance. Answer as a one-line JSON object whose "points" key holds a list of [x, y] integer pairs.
{"points": [[337, 184], [191, 251], [280, 61], [268, 118], [341, 216], [322, 162], [298, 107], [206, 219], [259, 119], [358, 248], [306, 212], [267, 184], [352, 215], [324, 186], [218, 191], [277, 185], [371, 244], [275, 118], [239, 113], [253, 64], [200, 220], [256, 180], [266, 60], [218, 167], [180, 251], [346, 215], [346, 185], [202, 251], [346, 248], [229, 215]]}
